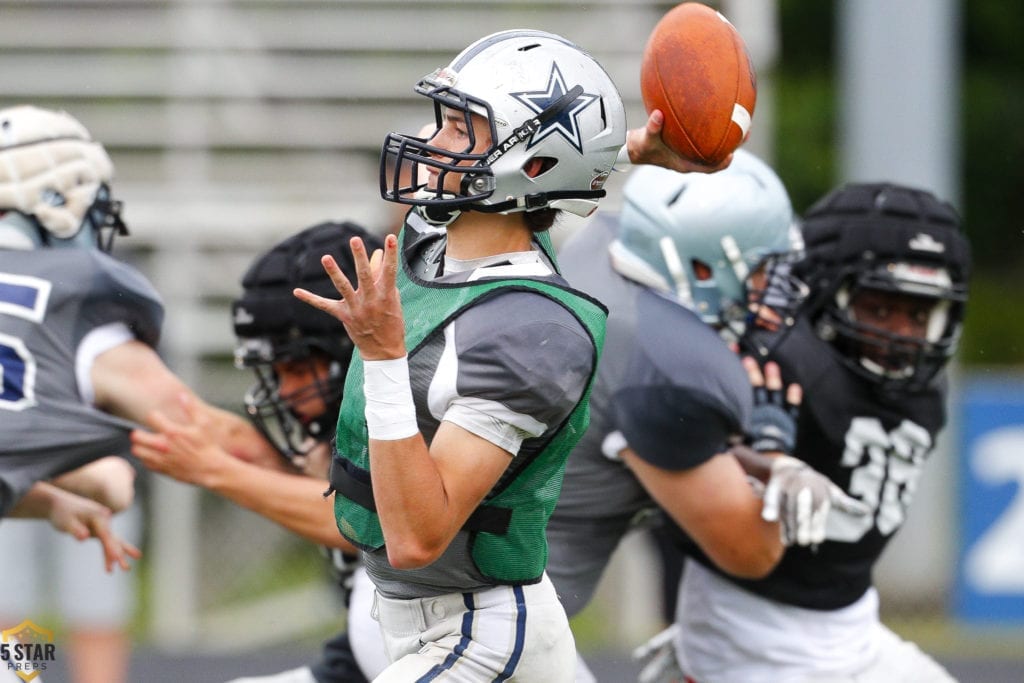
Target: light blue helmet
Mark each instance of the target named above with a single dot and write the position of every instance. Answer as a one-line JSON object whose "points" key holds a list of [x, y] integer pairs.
{"points": [[697, 237]]}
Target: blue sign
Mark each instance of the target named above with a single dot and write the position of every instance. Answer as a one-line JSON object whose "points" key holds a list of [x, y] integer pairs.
{"points": [[990, 572]]}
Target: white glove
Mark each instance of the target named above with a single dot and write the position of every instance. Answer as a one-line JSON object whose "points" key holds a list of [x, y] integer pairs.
{"points": [[658, 658], [800, 499]]}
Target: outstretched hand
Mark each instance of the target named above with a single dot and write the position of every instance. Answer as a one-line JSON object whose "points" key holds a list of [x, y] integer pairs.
{"points": [[646, 146], [371, 311], [84, 518], [185, 451]]}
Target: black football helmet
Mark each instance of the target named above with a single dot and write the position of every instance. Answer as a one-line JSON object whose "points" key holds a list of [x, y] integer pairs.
{"points": [[273, 326], [887, 238]]}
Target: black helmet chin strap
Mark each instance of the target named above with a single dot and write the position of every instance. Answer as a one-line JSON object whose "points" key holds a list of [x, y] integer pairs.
{"points": [[438, 215]]}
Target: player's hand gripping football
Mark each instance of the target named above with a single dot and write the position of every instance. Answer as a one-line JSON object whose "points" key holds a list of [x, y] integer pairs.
{"points": [[646, 146], [796, 496]]}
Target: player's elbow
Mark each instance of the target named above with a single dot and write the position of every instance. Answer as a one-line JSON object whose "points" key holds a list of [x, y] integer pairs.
{"points": [[118, 499], [412, 553]]}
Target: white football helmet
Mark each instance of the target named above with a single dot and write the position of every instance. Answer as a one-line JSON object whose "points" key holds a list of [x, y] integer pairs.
{"points": [[698, 237], [54, 182], [542, 97]]}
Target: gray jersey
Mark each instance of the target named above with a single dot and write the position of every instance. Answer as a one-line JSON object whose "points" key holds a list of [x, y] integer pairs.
{"points": [[485, 374], [50, 300], [667, 386]]}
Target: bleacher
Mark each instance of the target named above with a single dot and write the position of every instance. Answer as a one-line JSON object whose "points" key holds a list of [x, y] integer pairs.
{"points": [[231, 125]]}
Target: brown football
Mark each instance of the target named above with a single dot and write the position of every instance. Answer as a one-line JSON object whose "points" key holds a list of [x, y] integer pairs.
{"points": [[697, 71]]}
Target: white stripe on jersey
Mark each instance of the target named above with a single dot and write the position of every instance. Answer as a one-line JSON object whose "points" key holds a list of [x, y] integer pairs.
{"points": [[513, 270], [489, 420]]}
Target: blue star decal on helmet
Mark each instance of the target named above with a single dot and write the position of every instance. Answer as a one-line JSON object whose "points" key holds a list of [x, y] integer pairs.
{"points": [[566, 122]]}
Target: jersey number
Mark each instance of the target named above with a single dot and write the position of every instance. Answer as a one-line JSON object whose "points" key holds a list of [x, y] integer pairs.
{"points": [[23, 297], [886, 467]]}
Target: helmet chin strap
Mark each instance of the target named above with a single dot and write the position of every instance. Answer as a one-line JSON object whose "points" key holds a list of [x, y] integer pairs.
{"points": [[438, 216], [877, 368]]}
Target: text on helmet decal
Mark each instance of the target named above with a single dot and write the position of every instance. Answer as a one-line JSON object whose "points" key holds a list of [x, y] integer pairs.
{"points": [[521, 133]]}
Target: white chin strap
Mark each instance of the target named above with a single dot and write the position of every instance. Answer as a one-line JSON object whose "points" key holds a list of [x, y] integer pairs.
{"points": [[577, 207], [937, 321], [877, 369]]}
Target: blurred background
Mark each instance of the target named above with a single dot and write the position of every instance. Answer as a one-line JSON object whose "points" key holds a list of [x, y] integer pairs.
{"points": [[235, 123]]}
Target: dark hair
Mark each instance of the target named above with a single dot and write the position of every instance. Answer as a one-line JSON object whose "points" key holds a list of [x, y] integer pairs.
{"points": [[540, 220]]}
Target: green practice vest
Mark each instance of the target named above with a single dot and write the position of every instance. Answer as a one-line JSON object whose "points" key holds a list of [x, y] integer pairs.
{"points": [[508, 529]]}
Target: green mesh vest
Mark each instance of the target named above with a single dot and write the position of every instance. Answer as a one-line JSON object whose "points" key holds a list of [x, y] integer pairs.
{"points": [[508, 529]]}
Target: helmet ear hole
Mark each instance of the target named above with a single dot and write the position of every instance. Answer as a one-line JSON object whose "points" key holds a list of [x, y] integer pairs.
{"points": [[701, 270], [538, 166]]}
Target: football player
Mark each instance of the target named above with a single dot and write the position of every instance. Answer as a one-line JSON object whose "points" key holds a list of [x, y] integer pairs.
{"points": [[299, 357], [70, 315], [78, 363], [691, 262], [470, 388], [888, 267]]}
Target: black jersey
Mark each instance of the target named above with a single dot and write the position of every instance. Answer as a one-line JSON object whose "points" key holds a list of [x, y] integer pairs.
{"points": [[50, 300], [871, 444]]}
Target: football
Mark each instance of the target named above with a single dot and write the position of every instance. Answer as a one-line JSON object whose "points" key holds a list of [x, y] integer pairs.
{"points": [[696, 69]]}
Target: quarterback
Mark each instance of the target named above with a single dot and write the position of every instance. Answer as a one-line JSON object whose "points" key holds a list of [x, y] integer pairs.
{"points": [[475, 358]]}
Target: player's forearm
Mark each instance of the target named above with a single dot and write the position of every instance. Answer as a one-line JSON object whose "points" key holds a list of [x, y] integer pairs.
{"points": [[717, 508], [753, 557], [411, 501], [294, 501], [37, 503], [238, 437], [110, 481]]}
